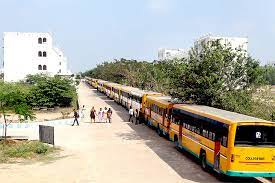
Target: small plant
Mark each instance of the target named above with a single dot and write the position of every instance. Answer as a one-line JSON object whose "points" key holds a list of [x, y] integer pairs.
{"points": [[23, 149]]}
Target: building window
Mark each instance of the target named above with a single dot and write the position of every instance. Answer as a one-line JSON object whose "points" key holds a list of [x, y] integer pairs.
{"points": [[40, 67], [40, 53], [44, 67], [59, 71], [44, 40], [40, 40], [44, 54], [59, 63]]}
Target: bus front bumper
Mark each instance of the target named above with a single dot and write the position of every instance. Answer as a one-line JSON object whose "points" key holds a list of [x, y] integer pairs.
{"points": [[250, 174]]}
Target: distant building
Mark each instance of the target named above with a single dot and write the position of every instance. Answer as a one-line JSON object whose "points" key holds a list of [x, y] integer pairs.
{"points": [[169, 54], [233, 42], [31, 53]]}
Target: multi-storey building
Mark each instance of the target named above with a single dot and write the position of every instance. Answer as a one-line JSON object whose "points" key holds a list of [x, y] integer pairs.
{"points": [[31, 53], [233, 42], [169, 54]]}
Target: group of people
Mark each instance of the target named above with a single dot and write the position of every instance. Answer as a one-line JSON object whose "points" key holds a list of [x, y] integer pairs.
{"points": [[103, 115], [134, 115]]}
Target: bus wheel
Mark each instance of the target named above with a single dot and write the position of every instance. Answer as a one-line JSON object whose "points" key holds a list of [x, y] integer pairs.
{"points": [[159, 131], [203, 160]]}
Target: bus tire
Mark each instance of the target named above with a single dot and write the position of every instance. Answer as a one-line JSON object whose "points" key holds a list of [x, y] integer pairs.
{"points": [[203, 160]]}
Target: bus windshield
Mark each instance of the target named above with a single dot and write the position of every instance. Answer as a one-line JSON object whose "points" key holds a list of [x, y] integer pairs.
{"points": [[255, 135]]}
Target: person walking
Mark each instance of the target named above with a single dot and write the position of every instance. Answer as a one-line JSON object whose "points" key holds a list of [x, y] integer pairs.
{"points": [[92, 114], [100, 115], [105, 115], [131, 113], [109, 114], [76, 116], [136, 116]]}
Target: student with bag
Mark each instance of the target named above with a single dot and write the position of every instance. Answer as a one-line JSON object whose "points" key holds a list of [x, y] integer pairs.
{"points": [[109, 114], [76, 116]]}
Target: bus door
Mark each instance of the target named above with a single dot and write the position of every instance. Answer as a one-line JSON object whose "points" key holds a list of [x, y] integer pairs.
{"points": [[180, 132], [217, 152], [167, 119]]}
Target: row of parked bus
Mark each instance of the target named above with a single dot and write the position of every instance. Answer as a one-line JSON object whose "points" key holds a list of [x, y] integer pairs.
{"points": [[232, 144]]}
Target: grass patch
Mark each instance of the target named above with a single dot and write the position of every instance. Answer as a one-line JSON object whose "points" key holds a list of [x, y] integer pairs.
{"points": [[15, 150]]}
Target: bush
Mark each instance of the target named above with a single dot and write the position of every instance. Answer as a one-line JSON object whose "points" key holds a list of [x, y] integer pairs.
{"points": [[26, 150], [48, 91]]}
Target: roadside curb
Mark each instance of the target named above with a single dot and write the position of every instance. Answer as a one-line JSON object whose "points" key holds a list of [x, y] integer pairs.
{"points": [[36, 124]]}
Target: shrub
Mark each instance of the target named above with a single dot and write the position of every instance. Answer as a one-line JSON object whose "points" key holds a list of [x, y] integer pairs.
{"points": [[51, 91], [27, 149]]}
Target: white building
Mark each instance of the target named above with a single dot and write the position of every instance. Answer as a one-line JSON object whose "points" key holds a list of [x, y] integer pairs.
{"points": [[233, 42], [169, 54], [31, 53]]}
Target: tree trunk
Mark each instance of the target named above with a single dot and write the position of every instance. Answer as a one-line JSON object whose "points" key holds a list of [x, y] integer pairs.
{"points": [[5, 127]]}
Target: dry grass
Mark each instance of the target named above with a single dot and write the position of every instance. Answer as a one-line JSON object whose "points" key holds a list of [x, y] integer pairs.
{"points": [[15, 151]]}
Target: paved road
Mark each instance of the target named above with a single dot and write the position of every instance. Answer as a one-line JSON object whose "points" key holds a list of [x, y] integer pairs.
{"points": [[112, 153]]}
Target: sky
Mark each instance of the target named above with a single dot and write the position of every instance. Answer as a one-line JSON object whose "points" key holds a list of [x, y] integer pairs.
{"points": [[93, 31]]}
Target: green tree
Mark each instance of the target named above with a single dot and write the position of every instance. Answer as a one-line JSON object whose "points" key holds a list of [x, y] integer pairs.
{"points": [[269, 74], [48, 91], [14, 99], [213, 74], [216, 75]]}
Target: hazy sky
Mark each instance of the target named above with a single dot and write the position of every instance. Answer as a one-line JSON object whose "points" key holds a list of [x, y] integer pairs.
{"points": [[92, 31]]}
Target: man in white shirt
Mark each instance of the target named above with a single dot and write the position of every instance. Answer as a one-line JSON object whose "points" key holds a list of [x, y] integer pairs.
{"points": [[131, 113]]}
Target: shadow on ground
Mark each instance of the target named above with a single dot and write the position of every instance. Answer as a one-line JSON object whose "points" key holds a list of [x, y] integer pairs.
{"points": [[183, 163]]}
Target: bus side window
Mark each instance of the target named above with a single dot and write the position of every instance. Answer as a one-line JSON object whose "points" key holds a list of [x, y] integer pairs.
{"points": [[224, 141], [205, 133], [210, 135], [213, 136]]}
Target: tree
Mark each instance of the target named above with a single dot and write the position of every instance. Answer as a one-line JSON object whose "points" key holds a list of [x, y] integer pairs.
{"points": [[217, 75], [269, 74], [13, 99], [213, 74], [48, 91]]}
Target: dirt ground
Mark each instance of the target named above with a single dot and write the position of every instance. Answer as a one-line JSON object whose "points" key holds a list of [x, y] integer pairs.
{"points": [[108, 153]]}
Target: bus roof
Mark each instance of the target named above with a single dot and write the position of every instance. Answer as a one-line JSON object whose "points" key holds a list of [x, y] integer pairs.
{"points": [[217, 114], [127, 89], [140, 93], [111, 84], [101, 81], [161, 100]]}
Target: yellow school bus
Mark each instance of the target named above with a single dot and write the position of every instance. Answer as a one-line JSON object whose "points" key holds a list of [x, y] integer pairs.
{"points": [[139, 98], [125, 96], [158, 112], [109, 87], [94, 82], [91, 81], [101, 87], [114, 93], [232, 144]]}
